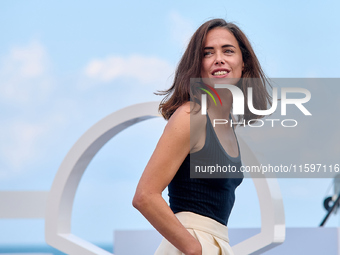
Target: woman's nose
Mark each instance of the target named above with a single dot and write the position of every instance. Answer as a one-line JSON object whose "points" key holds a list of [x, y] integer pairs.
{"points": [[219, 59]]}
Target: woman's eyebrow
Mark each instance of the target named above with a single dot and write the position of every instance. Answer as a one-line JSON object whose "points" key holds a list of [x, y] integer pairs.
{"points": [[228, 45], [224, 46]]}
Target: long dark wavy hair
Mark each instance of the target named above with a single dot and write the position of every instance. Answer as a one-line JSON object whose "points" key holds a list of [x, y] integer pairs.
{"points": [[190, 67]]}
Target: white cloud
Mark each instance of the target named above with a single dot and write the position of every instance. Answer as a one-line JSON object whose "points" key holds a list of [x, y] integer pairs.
{"points": [[181, 29], [25, 142], [147, 70], [25, 98], [20, 143], [24, 74], [29, 60]]}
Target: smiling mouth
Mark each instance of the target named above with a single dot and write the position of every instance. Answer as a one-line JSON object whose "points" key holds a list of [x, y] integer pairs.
{"points": [[220, 73]]}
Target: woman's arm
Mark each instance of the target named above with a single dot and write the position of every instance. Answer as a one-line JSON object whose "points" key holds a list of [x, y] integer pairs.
{"points": [[171, 150]]}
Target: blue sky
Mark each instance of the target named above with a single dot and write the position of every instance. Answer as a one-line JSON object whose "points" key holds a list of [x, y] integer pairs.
{"points": [[66, 65]]}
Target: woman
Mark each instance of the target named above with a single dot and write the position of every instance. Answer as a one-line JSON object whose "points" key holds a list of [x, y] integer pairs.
{"points": [[196, 221]]}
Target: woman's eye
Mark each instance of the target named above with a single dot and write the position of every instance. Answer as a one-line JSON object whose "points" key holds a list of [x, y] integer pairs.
{"points": [[207, 53], [229, 51]]}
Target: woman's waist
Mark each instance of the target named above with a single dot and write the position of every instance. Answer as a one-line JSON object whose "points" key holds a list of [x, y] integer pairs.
{"points": [[191, 220]]}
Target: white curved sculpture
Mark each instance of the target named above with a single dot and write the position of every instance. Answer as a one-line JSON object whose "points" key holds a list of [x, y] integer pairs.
{"points": [[273, 228], [61, 196]]}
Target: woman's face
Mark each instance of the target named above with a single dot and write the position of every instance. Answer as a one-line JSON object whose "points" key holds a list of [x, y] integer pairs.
{"points": [[222, 56]]}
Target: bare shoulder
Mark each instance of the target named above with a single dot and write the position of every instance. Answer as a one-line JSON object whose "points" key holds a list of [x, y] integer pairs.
{"points": [[197, 120], [182, 111], [187, 115], [180, 119], [187, 123]]}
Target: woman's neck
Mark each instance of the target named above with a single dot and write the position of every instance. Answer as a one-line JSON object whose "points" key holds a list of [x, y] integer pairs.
{"points": [[218, 110]]}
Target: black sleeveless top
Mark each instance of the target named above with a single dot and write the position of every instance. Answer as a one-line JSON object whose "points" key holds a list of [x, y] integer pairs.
{"points": [[212, 197]]}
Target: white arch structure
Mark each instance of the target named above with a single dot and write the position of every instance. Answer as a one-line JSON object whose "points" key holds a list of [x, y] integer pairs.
{"points": [[60, 199]]}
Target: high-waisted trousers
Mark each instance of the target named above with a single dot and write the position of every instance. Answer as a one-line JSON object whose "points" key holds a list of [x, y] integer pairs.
{"points": [[212, 235]]}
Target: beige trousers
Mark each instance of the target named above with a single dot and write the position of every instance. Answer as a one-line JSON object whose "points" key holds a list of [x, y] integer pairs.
{"points": [[212, 235]]}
